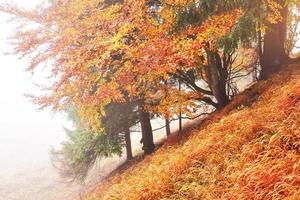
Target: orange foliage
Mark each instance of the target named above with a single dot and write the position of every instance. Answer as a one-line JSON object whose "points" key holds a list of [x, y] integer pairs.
{"points": [[102, 52], [250, 151]]}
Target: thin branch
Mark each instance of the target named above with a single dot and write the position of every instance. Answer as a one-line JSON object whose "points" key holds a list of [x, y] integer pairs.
{"points": [[175, 119]]}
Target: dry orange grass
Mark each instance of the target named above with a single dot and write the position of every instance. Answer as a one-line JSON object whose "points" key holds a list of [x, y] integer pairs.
{"points": [[250, 150]]}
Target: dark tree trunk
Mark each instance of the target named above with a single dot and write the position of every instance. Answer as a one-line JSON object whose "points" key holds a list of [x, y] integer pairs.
{"points": [[167, 117], [168, 129], [128, 142], [180, 113], [147, 135], [191, 83], [274, 54], [217, 77]]}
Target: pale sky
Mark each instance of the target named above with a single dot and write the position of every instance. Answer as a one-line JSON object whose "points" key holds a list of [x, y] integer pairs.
{"points": [[25, 133]]}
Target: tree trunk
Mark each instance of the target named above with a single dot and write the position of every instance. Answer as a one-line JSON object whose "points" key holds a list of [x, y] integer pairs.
{"points": [[147, 135], [167, 116], [274, 54], [180, 113], [128, 142], [168, 129], [216, 78]]}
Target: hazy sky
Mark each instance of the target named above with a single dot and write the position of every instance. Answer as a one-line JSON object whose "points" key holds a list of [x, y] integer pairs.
{"points": [[25, 133]]}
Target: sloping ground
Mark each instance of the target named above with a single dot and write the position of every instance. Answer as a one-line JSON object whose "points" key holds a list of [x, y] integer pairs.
{"points": [[250, 150]]}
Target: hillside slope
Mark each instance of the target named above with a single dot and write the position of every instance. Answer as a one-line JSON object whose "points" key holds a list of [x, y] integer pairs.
{"points": [[250, 150]]}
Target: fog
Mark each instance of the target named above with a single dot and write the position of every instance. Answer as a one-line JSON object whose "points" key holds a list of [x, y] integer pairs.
{"points": [[26, 134]]}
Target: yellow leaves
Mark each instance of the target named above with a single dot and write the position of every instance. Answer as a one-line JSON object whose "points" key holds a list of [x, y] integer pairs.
{"points": [[110, 13], [116, 40], [274, 15], [90, 115], [178, 3], [169, 16], [218, 26], [71, 32]]}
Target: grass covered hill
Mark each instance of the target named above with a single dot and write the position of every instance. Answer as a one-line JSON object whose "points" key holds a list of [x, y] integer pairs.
{"points": [[249, 150]]}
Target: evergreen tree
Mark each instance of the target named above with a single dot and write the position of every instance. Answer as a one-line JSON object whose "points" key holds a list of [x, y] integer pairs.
{"points": [[83, 148]]}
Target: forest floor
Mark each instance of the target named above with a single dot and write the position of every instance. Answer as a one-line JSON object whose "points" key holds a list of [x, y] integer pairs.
{"points": [[248, 150]]}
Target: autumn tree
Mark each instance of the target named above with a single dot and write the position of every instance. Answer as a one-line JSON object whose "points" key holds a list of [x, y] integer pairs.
{"points": [[200, 52], [106, 52], [267, 22], [87, 45]]}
